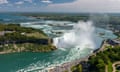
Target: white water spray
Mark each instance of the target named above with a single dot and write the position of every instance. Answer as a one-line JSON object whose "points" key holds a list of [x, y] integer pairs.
{"points": [[80, 37]]}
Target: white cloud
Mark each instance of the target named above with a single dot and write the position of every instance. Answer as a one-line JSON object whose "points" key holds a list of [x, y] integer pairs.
{"points": [[87, 6], [20, 2], [46, 1], [3, 1]]}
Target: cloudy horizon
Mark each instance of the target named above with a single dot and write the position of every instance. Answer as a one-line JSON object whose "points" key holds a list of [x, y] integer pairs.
{"points": [[92, 6]]}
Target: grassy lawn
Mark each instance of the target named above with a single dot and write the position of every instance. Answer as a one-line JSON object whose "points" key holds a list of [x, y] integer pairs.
{"points": [[110, 69], [36, 35]]}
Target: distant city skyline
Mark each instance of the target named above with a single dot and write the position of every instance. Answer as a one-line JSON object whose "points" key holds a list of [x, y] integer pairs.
{"points": [[92, 6]]}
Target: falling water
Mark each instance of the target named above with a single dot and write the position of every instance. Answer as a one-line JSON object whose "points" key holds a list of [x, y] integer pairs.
{"points": [[81, 37]]}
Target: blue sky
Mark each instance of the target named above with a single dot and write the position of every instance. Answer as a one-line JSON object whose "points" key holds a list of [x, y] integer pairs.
{"points": [[60, 6], [28, 5]]}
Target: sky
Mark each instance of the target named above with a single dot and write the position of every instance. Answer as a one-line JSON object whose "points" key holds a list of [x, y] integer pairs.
{"points": [[92, 6]]}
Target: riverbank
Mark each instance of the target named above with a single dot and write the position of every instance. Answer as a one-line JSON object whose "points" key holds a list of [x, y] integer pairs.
{"points": [[26, 47], [66, 67]]}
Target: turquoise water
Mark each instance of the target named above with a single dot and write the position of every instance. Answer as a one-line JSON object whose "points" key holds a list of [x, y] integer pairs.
{"points": [[34, 62]]}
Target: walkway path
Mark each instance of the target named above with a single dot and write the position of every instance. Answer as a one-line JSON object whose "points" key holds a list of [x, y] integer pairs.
{"points": [[113, 65], [106, 68]]}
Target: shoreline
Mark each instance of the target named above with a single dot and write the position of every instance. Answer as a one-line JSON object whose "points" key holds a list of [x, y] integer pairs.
{"points": [[67, 66], [23, 49], [9, 52]]}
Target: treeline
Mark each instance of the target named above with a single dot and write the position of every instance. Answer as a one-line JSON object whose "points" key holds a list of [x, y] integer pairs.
{"points": [[75, 17], [27, 47], [13, 32], [17, 37], [77, 68], [66, 18], [111, 18], [13, 37], [115, 20], [18, 28], [107, 57]]}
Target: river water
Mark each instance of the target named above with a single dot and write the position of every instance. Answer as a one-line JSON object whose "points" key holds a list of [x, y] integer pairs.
{"points": [[72, 44]]}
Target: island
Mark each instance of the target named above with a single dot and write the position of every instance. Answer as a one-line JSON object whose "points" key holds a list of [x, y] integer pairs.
{"points": [[15, 38]]}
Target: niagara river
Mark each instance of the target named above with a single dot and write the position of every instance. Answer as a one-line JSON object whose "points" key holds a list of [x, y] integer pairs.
{"points": [[74, 40]]}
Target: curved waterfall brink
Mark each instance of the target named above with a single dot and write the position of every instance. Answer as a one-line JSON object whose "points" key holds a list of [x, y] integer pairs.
{"points": [[81, 36]]}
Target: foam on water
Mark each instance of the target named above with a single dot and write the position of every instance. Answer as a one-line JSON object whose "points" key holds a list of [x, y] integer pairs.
{"points": [[42, 66]]}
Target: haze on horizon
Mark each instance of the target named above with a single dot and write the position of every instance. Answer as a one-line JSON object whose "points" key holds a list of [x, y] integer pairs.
{"points": [[92, 6]]}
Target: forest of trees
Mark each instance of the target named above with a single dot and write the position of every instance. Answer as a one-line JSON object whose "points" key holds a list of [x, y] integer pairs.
{"points": [[16, 34], [107, 57], [18, 28]]}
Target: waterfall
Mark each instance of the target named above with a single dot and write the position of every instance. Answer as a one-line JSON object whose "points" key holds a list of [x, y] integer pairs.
{"points": [[81, 36]]}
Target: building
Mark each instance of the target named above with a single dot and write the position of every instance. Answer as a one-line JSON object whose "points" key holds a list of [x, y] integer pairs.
{"points": [[113, 42]]}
